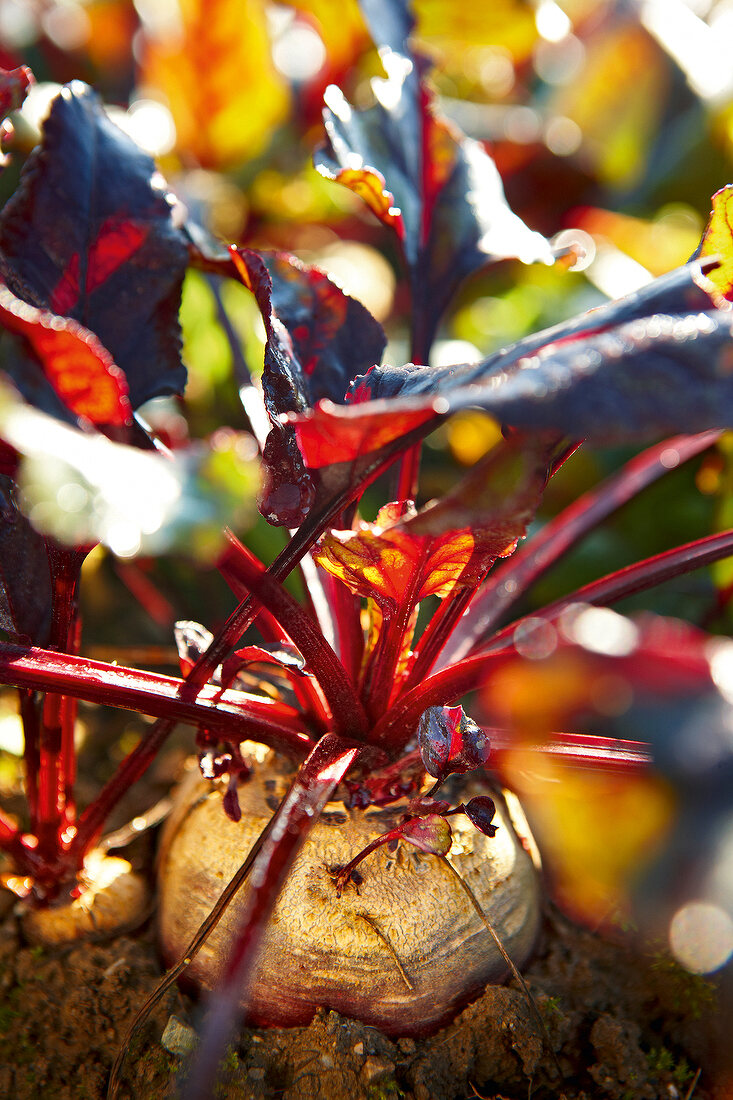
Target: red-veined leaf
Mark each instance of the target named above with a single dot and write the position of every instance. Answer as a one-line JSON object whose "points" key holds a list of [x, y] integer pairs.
{"points": [[90, 232], [80, 369], [656, 362], [439, 191], [341, 433], [430, 834], [318, 338], [405, 557], [450, 742]]}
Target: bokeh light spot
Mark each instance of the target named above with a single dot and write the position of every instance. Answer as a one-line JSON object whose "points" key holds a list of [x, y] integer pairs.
{"points": [[701, 937]]}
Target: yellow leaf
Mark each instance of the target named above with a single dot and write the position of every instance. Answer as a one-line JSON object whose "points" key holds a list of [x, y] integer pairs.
{"points": [[717, 240]]}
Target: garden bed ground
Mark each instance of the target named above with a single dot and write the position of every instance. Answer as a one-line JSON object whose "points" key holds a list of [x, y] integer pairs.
{"points": [[624, 1025]]}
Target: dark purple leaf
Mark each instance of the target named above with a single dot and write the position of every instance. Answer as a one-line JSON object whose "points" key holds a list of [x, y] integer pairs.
{"points": [[25, 575], [318, 339], [439, 191], [404, 556], [480, 810], [450, 742], [640, 367], [334, 336], [90, 234]]}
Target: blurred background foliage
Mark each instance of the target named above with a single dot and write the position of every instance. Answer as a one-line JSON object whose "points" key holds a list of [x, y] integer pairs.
{"points": [[611, 122]]}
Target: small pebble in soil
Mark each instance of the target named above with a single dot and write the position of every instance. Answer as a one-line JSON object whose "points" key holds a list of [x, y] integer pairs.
{"points": [[178, 1038], [376, 1069]]}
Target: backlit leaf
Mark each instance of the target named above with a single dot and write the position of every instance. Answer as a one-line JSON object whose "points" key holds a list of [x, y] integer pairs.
{"points": [[82, 488], [384, 561], [341, 433], [318, 338], [90, 234], [438, 190], [81, 371], [402, 558], [430, 834], [717, 241], [656, 362]]}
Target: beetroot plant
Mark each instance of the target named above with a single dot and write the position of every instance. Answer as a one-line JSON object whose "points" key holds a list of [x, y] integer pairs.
{"points": [[361, 684]]}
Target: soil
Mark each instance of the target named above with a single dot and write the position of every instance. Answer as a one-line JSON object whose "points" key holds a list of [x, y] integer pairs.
{"points": [[624, 1022], [624, 1025]]}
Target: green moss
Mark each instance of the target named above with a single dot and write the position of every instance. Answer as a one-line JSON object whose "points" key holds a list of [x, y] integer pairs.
{"points": [[665, 1067], [229, 1069], [385, 1090], [688, 993]]}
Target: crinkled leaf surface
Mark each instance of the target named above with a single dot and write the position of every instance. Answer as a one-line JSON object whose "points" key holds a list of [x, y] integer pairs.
{"points": [[450, 742], [331, 332], [25, 576], [656, 362], [80, 369], [318, 339], [90, 234], [384, 561], [439, 191], [402, 558]]}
